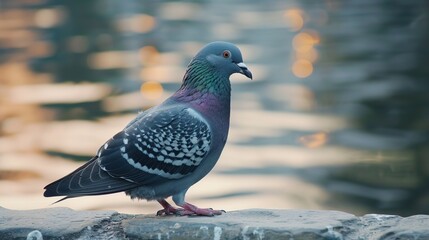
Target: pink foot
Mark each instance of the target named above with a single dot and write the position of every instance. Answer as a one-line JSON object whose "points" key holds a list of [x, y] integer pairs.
{"points": [[170, 210], [201, 211], [186, 210], [166, 211]]}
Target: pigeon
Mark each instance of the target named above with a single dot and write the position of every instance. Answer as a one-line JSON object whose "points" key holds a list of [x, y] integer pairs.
{"points": [[167, 148]]}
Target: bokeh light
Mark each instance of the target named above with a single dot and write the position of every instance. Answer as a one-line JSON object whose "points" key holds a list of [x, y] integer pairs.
{"points": [[305, 53], [48, 17], [151, 90], [148, 55], [302, 68], [311, 55], [303, 42], [111, 60], [314, 140], [139, 23], [294, 19]]}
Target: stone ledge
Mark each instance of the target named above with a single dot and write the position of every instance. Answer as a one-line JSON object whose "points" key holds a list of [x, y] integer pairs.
{"points": [[64, 223]]}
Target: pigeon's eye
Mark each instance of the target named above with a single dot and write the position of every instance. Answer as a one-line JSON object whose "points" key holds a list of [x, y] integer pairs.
{"points": [[226, 54]]}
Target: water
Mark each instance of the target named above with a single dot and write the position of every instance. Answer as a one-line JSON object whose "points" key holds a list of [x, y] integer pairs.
{"points": [[335, 118]]}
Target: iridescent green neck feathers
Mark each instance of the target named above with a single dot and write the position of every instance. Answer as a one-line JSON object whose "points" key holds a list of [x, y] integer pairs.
{"points": [[201, 76]]}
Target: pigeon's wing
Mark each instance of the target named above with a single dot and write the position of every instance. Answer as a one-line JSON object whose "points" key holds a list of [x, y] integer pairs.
{"points": [[160, 146], [88, 179]]}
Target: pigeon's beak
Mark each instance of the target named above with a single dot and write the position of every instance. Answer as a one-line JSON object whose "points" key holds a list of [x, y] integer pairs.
{"points": [[244, 70]]}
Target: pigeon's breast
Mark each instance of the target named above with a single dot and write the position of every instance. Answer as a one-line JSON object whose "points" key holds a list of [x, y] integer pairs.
{"points": [[216, 113]]}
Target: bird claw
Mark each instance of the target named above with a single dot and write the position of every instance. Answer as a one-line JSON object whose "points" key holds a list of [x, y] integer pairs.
{"points": [[208, 212], [202, 211], [163, 212], [183, 212], [187, 210], [174, 211], [167, 210]]}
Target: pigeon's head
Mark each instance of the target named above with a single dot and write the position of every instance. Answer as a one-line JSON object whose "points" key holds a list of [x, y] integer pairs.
{"points": [[224, 57]]}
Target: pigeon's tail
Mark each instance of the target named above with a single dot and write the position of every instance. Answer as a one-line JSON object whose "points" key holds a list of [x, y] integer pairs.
{"points": [[87, 180]]}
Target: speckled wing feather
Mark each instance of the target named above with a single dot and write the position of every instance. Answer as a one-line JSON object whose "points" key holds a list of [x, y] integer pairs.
{"points": [[160, 146], [88, 179], [154, 148]]}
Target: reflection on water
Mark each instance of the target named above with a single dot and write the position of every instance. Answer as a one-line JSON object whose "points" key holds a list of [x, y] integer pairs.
{"points": [[336, 117], [374, 73]]}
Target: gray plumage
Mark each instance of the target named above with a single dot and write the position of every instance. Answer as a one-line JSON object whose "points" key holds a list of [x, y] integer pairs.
{"points": [[168, 148]]}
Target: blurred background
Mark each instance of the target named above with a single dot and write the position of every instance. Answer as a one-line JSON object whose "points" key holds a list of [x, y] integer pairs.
{"points": [[337, 115]]}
